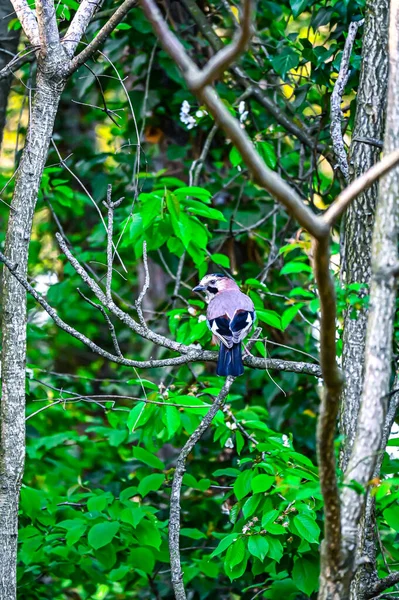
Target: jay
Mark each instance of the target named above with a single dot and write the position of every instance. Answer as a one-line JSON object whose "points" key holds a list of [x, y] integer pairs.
{"points": [[230, 316]]}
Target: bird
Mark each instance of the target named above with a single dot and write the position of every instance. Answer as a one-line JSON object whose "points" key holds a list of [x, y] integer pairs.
{"points": [[230, 316]]}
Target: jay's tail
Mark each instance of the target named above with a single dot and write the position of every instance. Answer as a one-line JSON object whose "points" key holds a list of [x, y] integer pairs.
{"points": [[230, 361]]}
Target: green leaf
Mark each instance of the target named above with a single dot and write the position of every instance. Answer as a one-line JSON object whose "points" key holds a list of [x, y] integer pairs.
{"points": [[298, 6], [102, 534], [305, 575], [270, 317], [262, 483], [290, 314], [269, 518], [242, 485], [235, 157], [307, 527], [236, 552], [143, 560], [276, 550], [239, 441], [295, 267], [98, 503], [251, 505], [391, 515], [193, 191], [75, 532], [194, 534], [221, 259], [148, 534], [143, 383], [266, 150], [133, 514], [224, 544], [172, 420], [147, 458], [285, 61], [135, 416], [151, 483], [258, 546], [199, 208]]}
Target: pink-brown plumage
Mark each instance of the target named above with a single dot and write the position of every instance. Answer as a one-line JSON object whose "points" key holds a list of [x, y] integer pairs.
{"points": [[230, 316]]}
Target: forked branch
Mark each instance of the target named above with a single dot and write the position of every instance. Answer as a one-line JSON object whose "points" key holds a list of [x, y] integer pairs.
{"points": [[174, 519]]}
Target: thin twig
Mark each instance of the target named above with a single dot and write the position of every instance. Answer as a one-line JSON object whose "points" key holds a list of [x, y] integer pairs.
{"points": [[336, 100], [146, 286], [108, 320], [174, 518]]}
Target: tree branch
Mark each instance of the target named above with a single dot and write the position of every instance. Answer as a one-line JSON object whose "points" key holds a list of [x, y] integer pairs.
{"points": [[221, 61], [326, 425], [342, 201], [174, 518], [256, 92], [146, 286], [262, 175], [108, 320], [47, 23], [102, 35], [336, 99], [382, 584], [79, 24], [188, 353], [27, 20], [110, 232]]}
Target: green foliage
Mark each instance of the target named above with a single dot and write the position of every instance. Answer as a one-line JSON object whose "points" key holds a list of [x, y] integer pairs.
{"points": [[94, 505]]}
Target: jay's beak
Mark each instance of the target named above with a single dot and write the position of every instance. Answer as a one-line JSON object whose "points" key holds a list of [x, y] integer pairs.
{"points": [[199, 288]]}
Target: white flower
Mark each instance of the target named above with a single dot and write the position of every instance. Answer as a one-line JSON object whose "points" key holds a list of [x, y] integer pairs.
{"points": [[185, 108], [200, 113], [229, 443], [201, 318], [242, 112], [185, 116]]}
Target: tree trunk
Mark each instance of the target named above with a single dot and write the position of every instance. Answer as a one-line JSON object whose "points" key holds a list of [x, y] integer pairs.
{"points": [[356, 259], [8, 48], [49, 87], [359, 219], [372, 430]]}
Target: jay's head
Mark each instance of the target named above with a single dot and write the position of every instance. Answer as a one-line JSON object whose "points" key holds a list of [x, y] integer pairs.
{"points": [[213, 284]]}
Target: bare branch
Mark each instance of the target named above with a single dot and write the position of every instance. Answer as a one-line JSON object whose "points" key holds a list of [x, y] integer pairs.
{"points": [[189, 353], [360, 184], [221, 61], [79, 24], [47, 22], [108, 320], [383, 584], [123, 316], [146, 286], [174, 518], [336, 99], [17, 62], [110, 231], [262, 175], [300, 131], [27, 20], [102, 35], [326, 425]]}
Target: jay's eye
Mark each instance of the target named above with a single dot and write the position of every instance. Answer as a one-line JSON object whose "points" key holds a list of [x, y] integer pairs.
{"points": [[213, 281]]}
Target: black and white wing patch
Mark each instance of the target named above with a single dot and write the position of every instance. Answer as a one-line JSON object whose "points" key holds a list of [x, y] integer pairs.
{"points": [[220, 327], [234, 331], [241, 324]]}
